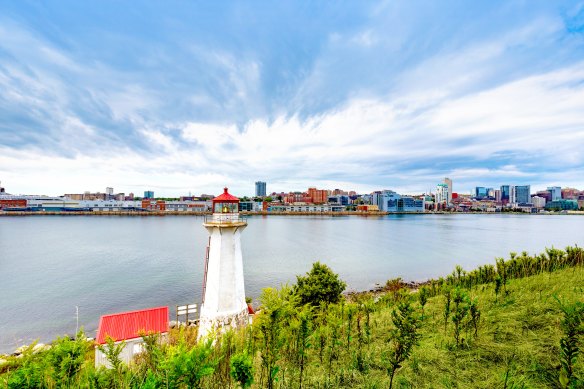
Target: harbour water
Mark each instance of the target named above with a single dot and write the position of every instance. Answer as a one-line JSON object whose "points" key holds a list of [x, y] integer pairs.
{"points": [[49, 265]]}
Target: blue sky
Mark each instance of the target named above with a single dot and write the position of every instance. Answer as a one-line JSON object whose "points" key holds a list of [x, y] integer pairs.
{"points": [[183, 97]]}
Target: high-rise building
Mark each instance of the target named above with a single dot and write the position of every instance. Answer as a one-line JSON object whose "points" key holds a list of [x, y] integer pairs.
{"points": [[522, 194], [448, 182], [318, 196], [148, 194], [498, 195], [512, 195], [442, 194], [481, 192], [260, 189], [555, 192], [505, 193], [376, 199]]}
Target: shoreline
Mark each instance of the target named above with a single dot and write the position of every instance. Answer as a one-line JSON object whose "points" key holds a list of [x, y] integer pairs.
{"points": [[265, 213]]}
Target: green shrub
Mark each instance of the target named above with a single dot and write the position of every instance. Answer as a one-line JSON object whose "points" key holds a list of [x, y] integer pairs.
{"points": [[321, 284], [242, 369]]}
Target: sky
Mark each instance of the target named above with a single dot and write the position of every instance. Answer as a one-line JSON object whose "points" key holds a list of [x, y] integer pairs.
{"points": [[188, 97]]}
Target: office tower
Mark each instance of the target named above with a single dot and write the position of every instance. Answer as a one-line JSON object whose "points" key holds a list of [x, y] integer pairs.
{"points": [[555, 192], [448, 182], [260, 189], [442, 194], [523, 194], [505, 193]]}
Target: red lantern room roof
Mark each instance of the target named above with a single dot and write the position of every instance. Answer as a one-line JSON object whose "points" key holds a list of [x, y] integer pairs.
{"points": [[225, 197]]}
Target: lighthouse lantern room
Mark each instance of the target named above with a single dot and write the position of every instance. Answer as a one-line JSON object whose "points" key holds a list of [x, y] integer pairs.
{"points": [[223, 303]]}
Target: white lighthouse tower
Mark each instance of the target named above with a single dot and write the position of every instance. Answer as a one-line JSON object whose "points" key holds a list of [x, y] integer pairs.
{"points": [[223, 288]]}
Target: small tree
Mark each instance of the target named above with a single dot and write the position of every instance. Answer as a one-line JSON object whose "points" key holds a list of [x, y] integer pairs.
{"points": [[277, 307], [304, 337], [403, 338], [187, 367], [112, 352], [502, 271], [448, 298], [498, 283], [66, 356], [423, 298], [321, 284], [475, 315], [572, 325], [459, 312], [242, 369]]}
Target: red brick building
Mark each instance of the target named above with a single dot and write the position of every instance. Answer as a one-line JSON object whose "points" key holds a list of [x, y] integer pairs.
{"points": [[154, 205], [318, 196], [14, 203]]}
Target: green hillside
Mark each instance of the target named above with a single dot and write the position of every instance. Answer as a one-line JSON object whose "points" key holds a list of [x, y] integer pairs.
{"points": [[521, 320]]}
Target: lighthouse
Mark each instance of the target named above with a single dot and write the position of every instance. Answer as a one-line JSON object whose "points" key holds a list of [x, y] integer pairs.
{"points": [[223, 303]]}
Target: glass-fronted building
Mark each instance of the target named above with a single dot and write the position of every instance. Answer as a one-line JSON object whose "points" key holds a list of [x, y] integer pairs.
{"points": [[260, 189], [523, 194], [556, 192], [564, 205], [394, 202], [481, 192], [505, 192]]}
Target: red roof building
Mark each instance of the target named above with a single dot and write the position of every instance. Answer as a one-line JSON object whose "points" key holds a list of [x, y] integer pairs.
{"points": [[129, 325]]}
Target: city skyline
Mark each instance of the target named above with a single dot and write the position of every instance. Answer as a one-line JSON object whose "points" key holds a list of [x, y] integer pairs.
{"points": [[177, 97]]}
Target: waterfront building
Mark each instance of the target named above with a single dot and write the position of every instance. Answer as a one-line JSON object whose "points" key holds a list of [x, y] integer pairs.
{"points": [[555, 193], [339, 200], [481, 192], [148, 194], [442, 195], [376, 199], [394, 202], [570, 193], [512, 195], [128, 327], [448, 182], [75, 196], [538, 202], [251, 206], [498, 195], [306, 208], [505, 193], [562, 204], [260, 189], [318, 196], [522, 194], [223, 303]]}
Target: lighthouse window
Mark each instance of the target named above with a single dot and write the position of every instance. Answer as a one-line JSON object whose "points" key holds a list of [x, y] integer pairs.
{"points": [[225, 208]]}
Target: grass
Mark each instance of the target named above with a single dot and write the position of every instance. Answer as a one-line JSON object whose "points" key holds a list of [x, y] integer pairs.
{"points": [[518, 337]]}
